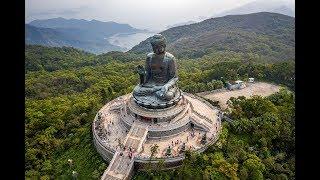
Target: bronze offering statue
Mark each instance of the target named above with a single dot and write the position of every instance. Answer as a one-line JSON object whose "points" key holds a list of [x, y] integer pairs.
{"points": [[158, 88]]}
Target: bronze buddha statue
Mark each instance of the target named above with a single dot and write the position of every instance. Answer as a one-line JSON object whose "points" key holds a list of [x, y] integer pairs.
{"points": [[158, 79]]}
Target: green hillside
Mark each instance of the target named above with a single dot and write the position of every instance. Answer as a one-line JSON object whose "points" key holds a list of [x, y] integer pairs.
{"points": [[65, 87], [69, 86], [269, 36], [39, 58]]}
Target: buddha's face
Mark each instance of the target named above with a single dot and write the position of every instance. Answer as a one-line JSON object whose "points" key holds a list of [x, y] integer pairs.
{"points": [[158, 48]]}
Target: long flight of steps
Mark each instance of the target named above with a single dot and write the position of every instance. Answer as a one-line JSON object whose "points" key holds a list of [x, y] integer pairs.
{"points": [[121, 165], [200, 122]]}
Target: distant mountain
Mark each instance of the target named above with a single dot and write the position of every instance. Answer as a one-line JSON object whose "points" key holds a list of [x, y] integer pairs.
{"points": [[57, 38], [93, 27], [275, 6], [87, 35], [268, 35], [45, 36]]}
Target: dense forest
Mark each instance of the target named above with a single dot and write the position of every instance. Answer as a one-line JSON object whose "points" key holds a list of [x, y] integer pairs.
{"points": [[65, 87]]}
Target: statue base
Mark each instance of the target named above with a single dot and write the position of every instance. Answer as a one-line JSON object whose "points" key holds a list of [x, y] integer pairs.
{"points": [[123, 123], [152, 102]]}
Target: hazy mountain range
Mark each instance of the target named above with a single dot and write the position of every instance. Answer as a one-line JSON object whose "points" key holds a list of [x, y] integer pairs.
{"points": [[269, 35], [83, 34], [275, 6]]}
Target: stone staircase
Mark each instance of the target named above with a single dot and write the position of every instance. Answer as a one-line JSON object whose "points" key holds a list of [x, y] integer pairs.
{"points": [[121, 165], [200, 122]]}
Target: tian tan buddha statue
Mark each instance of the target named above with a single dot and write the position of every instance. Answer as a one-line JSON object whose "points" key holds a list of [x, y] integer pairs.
{"points": [[159, 77]]}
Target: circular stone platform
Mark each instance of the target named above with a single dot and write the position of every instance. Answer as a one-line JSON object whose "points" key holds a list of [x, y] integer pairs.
{"points": [[123, 123]]}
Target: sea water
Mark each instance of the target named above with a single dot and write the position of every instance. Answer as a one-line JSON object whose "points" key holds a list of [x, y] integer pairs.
{"points": [[128, 40]]}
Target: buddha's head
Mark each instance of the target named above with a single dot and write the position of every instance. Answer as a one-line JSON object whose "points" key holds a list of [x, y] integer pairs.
{"points": [[158, 43]]}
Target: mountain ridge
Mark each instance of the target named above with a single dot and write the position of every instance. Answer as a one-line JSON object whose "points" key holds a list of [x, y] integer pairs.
{"points": [[57, 38], [272, 31], [60, 22], [272, 6], [87, 35]]}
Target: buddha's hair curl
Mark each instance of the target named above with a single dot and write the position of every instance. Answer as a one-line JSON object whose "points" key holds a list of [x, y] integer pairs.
{"points": [[158, 39]]}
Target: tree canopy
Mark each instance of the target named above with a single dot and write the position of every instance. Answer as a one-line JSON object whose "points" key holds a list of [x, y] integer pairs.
{"points": [[64, 88]]}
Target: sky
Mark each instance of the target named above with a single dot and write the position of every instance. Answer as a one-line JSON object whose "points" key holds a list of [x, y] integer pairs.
{"points": [[143, 14]]}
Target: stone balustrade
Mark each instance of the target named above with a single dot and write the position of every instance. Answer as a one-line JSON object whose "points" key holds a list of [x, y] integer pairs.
{"points": [[105, 150]]}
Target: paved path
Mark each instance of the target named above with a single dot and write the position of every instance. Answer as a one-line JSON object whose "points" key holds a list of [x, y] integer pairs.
{"points": [[258, 88]]}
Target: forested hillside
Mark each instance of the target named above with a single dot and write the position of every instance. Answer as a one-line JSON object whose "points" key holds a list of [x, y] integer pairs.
{"points": [[269, 36], [65, 87], [39, 58], [46, 36]]}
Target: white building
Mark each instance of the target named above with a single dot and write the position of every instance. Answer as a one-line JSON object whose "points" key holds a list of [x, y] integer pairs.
{"points": [[237, 85]]}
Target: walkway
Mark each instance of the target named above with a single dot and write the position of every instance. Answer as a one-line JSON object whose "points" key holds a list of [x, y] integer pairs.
{"points": [[121, 165]]}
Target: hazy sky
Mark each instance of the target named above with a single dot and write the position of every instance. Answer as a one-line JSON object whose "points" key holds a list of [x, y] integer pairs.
{"points": [[143, 14]]}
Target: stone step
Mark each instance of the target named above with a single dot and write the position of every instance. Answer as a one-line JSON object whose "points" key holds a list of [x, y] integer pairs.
{"points": [[198, 121]]}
